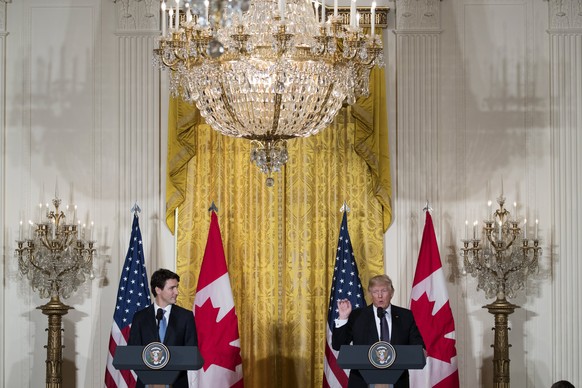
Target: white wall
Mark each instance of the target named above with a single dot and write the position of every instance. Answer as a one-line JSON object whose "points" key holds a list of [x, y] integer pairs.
{"points": [[485, 95], [82, 108], [479, 91]]}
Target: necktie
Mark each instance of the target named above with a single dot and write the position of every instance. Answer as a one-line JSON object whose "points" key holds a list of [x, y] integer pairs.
{"points": [[384, 330], [162, 328]]}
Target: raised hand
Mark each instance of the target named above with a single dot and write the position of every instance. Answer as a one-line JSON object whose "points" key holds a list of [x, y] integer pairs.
{"points": [[344, 308]]}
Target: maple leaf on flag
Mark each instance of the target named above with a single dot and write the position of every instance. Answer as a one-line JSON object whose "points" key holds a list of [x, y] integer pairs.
{"points": [[219, 338], [438, 325]]}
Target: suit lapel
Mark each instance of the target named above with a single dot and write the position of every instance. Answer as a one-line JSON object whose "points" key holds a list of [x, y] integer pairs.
{"points": [[396, 325], [172, 327], [373, 332], [150, 325]]}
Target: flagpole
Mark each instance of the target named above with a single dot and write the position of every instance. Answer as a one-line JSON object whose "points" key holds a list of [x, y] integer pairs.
{"points": [[345, 208], [176, 213], [427, 207]]}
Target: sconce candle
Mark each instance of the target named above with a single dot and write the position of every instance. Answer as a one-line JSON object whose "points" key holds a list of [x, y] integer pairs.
{"points": [[163, 6], [373, 18], [316, 6], [282, 9], [188, 13], [177, 24]]}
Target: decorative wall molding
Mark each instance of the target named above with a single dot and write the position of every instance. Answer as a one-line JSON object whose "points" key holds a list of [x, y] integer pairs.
{"points": [[140, 132], [418, 15], [417, 85], [4, 252], [566, 140], [3, 6], [565, 14], [137, 14]]}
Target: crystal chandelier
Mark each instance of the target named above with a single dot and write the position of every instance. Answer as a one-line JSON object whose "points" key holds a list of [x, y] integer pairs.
{"points": [[57, 257], [264, 70]]}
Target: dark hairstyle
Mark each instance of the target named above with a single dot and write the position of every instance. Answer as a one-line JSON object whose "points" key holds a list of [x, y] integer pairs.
{"points": [[160, 277], [563, 384]]}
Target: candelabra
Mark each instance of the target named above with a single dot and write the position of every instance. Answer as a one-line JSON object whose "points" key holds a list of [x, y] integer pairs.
{"points": [[501, 261], [55, 258]]}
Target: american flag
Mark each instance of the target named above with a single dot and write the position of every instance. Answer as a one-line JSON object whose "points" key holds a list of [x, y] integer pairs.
{"points": [[133, 295], [345, 285]]}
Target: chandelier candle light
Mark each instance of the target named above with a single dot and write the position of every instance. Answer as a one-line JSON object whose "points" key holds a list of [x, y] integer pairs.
{"points": [[266, 70], [501, 259], [56, 258]]}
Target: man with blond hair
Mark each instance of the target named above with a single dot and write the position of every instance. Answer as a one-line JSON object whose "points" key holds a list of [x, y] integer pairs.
{"points": [[378, 321]]}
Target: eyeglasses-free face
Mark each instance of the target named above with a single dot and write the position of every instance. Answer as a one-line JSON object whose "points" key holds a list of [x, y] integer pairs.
{"points": [[381, 295]]}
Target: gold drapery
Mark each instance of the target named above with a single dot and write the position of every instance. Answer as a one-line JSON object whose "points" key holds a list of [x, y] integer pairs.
{"points": [[280, 242]]}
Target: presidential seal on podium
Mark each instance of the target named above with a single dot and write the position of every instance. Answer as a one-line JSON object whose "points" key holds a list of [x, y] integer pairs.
{"points": [[155, 355], [382, 354]]}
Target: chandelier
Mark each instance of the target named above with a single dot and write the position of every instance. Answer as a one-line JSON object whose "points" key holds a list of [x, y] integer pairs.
{"points": [[266, 70]]}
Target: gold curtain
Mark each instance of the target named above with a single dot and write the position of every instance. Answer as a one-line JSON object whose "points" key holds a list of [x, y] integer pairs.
{"points": [[280, 242]]}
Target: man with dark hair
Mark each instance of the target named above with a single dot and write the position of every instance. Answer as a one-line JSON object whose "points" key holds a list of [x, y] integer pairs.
{"points": [[164, 321], [379, 320], [562, 384]]}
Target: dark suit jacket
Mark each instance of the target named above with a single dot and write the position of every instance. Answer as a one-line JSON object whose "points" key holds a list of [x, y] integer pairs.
{"points": [[361, 329], [181, 331]]}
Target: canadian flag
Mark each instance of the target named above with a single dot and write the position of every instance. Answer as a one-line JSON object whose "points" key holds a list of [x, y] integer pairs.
{"points": [[432, 313], [216, 321]]}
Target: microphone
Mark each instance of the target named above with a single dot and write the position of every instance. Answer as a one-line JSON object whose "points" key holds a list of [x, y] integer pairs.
{"points": [[381, 312], [159, 317]]}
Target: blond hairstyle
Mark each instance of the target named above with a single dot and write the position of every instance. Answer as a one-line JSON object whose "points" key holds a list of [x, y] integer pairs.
{"points": [[380, 280]]}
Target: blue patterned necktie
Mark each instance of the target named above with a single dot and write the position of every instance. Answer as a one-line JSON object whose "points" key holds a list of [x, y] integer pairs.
{"points": [[162, 328]]}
